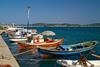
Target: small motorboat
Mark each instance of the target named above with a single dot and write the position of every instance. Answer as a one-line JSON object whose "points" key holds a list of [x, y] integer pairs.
{"points": [[69, 49], [12, 30], [21, 35], [72, 63], [17, 39], [81, 62], [41, 43]]}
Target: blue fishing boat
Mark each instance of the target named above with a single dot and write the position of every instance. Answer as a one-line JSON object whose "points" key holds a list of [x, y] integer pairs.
{"points": [[70, 49]]}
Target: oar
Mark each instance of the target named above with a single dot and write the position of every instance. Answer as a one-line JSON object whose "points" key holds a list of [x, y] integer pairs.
{"points": [[93, 54], [97, 56]]}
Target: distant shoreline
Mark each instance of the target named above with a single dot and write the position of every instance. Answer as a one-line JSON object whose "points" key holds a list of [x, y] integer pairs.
{"points": [[57, 26], [54, 25]]}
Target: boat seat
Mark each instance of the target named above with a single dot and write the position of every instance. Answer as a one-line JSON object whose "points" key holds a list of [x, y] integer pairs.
{"points": [[70, 49], [41, 40], [78, 50], [79, 46], [48, 40]]}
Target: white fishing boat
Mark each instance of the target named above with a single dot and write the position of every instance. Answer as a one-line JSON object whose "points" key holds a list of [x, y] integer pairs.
{"points": [[18, 36], [82, 62], [70, 63], [18, 39], [13, 28]]}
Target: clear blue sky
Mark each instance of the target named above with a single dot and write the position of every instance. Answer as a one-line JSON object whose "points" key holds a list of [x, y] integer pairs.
{"points": [[50, 11]]}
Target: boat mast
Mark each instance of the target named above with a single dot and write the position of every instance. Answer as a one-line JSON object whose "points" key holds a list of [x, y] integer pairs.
{"points": [[28, 13]]}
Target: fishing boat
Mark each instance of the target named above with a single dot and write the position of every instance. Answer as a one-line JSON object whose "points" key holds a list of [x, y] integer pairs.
{"points": [[12, 30], [77, 63], [69, 49], [18, 39], [17, 36], [41, 43], [21, 35]]}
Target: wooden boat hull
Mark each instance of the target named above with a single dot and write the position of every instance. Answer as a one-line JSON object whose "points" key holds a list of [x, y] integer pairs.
{"points": [[61, 53], [64, 52], [23, 46], [55, 44]]}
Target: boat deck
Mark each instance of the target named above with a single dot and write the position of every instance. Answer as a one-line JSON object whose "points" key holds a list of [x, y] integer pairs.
{"points": [[68, 63], [6, 57]]}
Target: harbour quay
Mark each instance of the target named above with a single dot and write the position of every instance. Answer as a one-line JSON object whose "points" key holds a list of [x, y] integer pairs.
{"points": [[6, 57]]}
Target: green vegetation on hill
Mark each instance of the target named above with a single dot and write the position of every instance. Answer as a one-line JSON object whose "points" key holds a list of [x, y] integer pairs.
{"points": [[66, 25]]}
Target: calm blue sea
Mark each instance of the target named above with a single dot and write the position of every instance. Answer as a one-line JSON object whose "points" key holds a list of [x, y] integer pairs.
{"points": [[71, 35]]}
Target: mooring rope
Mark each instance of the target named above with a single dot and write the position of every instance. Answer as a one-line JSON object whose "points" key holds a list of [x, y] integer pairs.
{"points": [[22, 52]]}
